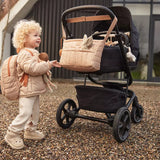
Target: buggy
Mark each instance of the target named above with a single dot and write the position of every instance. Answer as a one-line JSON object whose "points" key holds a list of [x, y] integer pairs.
{"points": [[113, 98]]}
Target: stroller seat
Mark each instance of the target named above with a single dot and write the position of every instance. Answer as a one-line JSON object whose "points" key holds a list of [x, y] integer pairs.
{"points": [[112, 61]]}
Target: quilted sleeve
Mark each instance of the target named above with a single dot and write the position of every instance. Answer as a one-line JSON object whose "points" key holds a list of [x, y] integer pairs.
{"points": [[30, 64]]}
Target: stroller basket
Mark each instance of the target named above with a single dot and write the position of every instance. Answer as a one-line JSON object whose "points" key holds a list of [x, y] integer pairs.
{"points": [[100, 99]]}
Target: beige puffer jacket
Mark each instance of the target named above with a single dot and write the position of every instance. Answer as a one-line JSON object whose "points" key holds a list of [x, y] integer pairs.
{"points": [[26, 63]]}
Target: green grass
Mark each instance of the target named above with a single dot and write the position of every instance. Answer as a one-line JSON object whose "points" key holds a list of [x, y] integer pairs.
{"points": [[136, 75]]}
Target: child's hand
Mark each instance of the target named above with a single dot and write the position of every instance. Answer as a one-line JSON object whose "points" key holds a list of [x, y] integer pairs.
{"points": [[55, 63]]}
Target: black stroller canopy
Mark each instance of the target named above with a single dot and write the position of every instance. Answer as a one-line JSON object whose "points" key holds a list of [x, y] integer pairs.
{"points": [[125, 24], [124, 19]]}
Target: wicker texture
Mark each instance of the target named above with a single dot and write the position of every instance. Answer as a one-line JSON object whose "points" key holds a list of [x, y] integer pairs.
{"points": [[75, 57]]}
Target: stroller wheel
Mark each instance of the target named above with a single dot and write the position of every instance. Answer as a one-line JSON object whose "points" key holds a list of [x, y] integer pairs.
{"points": [[137, 114], [65, 115], [122, 124]]}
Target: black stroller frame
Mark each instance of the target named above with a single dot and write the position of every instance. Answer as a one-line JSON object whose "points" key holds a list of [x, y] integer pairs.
{"points": [[110, 99]]}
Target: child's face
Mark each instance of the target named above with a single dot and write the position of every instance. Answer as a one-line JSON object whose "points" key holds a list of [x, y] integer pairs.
{"points": [[32, 40]]}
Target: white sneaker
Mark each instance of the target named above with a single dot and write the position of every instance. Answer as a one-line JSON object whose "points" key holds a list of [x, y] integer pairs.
{"points": [[35, 135], [14, 140]]}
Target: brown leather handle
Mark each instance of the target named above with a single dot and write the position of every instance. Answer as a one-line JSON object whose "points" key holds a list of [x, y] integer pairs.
{"points": [[91, 18], [88, 18]]}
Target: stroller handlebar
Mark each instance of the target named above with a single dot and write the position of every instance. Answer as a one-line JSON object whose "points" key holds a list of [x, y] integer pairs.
{"points": [[108, 15], [90, 7]]}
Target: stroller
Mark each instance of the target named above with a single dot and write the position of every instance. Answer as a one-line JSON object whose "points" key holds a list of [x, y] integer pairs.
{"points": [[108, 97]]}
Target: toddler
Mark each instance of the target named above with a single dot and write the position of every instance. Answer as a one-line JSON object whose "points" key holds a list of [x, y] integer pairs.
{"points": [[26, 38]]}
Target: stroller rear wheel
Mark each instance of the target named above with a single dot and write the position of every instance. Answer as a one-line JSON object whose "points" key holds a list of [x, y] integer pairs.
{"points": [[137, 114], [66, 111], [122, 124]]}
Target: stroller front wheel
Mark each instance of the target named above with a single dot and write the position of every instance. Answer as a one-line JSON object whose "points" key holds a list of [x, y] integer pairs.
{"points": [[137, 114], [122, 124], [66, 111]]}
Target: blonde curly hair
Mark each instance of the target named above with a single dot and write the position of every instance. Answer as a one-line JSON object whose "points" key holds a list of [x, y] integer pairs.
{"points": [[22, 29]]}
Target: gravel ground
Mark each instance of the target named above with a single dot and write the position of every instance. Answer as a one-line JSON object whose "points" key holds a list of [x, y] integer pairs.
{"points": [[85, 139]]}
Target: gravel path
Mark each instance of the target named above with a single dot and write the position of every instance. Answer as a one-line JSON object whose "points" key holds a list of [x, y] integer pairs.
{"points": [[85, 139]]}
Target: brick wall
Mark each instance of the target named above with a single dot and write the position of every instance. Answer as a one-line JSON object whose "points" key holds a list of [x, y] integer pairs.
{"points": [[5, 5]]}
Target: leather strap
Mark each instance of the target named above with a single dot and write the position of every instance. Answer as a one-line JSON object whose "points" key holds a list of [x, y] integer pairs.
{"points": [[91, 18], [111, 28], [24, 78], [88, 18], [61, 43], [29, 51]]}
